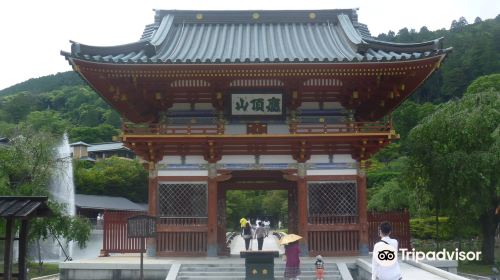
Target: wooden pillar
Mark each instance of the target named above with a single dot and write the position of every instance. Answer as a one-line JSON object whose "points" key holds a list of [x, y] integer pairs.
{"points": [[363, 213], [23, 249], [212, 218], [152, 203], [302, 209], [9, 242]]}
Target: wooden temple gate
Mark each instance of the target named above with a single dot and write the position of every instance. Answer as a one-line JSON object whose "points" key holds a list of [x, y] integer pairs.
{"points": [[206, 89], [341, 229]]}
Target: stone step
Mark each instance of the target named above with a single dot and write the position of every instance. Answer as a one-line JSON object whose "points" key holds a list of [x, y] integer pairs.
{"points": [[237, 271], [232, 277]]}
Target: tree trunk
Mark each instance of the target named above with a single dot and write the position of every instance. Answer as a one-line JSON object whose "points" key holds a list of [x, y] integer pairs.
{"points": [[437, 226], [488, 226]]}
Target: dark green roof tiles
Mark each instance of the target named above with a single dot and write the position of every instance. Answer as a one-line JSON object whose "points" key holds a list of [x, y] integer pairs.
{"points": [[183, 37]]}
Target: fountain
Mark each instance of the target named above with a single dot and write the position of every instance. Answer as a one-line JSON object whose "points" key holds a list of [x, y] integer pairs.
{"points": [[62, 190]]}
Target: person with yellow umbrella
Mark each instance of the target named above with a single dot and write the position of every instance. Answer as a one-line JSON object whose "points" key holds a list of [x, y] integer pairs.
{"points": [[292, 253]]}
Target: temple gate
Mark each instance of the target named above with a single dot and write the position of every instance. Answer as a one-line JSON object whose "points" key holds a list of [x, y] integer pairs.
{"points": [[293, 100]]}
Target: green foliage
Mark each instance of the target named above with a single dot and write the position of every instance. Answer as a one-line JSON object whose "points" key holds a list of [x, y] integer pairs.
{"points": [[100, 133], [114, 177], [484, 83], [47, 121], [45, 84], [389, 196], [409, 114], [425, 228], [255, 204], [26, 165], [475, 53], [455, 155], [389, 153], [17, 107]]}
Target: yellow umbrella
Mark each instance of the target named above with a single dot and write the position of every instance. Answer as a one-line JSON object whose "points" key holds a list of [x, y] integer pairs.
{"points": [[289, 238]]}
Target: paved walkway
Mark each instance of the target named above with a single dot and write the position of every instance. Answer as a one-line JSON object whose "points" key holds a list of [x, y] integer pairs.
{"points": [[409, 271], [270, 244]]}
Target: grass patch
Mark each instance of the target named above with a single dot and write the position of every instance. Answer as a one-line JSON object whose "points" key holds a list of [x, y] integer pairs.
{"points": [[476, 268], [47, 269]]}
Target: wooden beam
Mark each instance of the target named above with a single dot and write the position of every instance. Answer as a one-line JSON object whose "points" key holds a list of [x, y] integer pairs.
{"points": [[9, 242], [152, 201], [302, 214], [212, 218], [334, 227], [363, 214], [169, 228], [23, 249]]}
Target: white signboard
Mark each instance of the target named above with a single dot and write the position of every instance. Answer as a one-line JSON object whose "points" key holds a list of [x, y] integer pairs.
{"points": [[249, 104]]}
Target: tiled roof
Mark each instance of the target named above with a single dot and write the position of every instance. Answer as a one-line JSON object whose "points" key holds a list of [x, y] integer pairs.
{"points": [[106, 202], [23, 206], [79, 143], [113, 146], [183, 37]]}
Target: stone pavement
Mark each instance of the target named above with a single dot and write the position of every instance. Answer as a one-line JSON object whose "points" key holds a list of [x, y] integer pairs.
{"points": [[270, 244]]}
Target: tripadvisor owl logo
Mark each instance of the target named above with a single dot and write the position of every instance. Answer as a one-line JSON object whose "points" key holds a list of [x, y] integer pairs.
{"points": [[386, 255]]}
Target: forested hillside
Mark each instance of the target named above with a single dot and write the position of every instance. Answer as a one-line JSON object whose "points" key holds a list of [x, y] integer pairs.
{"points": [[476, 52], [45, 84]]}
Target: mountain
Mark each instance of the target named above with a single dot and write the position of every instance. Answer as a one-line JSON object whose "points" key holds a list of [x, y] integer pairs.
{"points": [[45, 83]]}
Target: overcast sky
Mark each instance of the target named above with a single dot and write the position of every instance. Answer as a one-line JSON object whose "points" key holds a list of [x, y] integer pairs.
{"points": [[33, 32]]}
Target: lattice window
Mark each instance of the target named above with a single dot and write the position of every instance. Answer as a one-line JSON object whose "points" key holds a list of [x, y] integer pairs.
{"points": [[333, 199], [183, 200]]}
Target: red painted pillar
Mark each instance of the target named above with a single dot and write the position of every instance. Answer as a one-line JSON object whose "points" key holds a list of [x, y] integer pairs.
{"points": [[152, 203], [302, 208], [363, 213], [212, 218]]}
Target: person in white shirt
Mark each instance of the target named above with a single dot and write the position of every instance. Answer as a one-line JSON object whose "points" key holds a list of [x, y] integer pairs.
{"points": [[385, 264]]}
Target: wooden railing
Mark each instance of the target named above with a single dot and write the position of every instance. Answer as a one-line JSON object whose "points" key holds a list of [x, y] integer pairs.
{"points": [[166, 129], [331, 220], [331, 243], [218, 129], [348, 127], [115, 238], [182, 243], [400, 222], [183, 221]]}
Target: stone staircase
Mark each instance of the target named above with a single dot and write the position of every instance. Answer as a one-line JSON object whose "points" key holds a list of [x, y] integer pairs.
{"points": [[237, 271]]}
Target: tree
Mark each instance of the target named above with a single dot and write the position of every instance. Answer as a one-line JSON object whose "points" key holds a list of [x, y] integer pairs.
{"points": [[101, 133], [484, 83], [408, 115], [26, 165], [17, 107], [390, 196], [47, 121], [455, 152], [114, 177]]}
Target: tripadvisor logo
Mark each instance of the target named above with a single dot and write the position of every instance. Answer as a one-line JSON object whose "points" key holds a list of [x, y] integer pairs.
{"points": [[386, 255], [442, 255]]}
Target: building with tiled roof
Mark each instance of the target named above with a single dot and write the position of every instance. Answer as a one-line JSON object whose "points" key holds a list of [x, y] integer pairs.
{"points": [[292, 100]]}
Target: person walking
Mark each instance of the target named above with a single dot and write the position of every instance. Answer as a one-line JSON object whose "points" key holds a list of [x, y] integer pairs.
{"points": [[243, 222], [267, 226], [292, 266], [385, 265], [320, 267], [260, 234], [247, 235]]}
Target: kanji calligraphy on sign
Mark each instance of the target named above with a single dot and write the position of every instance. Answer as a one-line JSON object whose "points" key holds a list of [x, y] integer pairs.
{"points": [[247, 104]]}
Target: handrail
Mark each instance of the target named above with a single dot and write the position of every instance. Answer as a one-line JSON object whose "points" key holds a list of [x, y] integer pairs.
{"points": [[348, 127], [218, 129]]}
